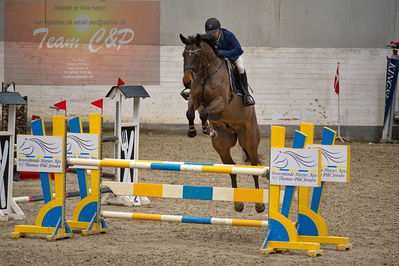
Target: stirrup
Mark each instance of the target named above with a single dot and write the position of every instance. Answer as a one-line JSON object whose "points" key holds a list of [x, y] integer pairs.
{"points": [[248, 100], [239, 92], [185, 93]]}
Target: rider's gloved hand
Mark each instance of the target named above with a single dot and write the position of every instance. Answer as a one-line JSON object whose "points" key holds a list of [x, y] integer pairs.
{"points": [[220, 53]]}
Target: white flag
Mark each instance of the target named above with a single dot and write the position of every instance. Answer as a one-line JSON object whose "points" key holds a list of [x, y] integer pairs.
{"points": [[11, 88], [304, 114], [276, 116]]}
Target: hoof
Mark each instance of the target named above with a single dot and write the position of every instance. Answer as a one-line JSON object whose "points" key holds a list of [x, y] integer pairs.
{"points": [[213, 133], [185, 93], [238, 206], [259, 207], [192, 133], [206, 132], [248, 100], [206, 129]]}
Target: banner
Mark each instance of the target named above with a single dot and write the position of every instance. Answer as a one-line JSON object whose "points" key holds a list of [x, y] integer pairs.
{"points": [[390, 87], [81, 42]]}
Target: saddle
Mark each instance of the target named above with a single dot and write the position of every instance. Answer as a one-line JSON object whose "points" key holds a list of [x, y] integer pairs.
{"points": [[234, 77]]}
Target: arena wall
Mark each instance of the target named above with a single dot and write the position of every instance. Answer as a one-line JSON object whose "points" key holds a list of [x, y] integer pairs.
{"points": [[291, 53]]}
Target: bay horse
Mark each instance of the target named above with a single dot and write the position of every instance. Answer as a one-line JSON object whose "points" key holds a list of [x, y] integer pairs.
{"points": [[206, 74]]}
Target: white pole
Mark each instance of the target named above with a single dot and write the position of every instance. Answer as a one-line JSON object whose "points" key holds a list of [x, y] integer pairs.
{"points": [[14, 211], [172, 166], [117, 131], [136, 123], [391, 117], [339, 115]]}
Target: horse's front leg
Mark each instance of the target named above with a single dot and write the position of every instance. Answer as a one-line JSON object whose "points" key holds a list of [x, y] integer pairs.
{"points": [[204, 121], [190, 114], [213, 111]]}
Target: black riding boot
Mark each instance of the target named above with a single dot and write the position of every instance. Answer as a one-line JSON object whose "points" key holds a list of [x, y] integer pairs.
{"points": [[248, 99], [185, 93]]}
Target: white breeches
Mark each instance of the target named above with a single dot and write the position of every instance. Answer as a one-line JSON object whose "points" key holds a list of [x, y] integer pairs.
{"points": [[240, 65]]}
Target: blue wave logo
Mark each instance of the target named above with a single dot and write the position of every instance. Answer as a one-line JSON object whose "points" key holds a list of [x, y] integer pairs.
{"points": [[283, 158], [331, 157], [37, 145], [83, 144]]}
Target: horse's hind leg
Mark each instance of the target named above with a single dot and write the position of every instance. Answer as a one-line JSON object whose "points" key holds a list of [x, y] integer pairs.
{"points": [[259, 207], [222, 143]]}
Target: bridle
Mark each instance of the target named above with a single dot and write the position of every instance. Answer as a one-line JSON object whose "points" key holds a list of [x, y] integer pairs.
{"points": [[197, 73], [194, 71]]}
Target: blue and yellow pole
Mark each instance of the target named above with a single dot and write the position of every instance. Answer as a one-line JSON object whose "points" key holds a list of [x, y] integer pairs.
{"points": [[86, 216], [282, 233], [311, 225]]}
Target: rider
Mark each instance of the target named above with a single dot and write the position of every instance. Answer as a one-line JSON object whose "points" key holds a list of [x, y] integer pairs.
{"points": [[227, 47]]}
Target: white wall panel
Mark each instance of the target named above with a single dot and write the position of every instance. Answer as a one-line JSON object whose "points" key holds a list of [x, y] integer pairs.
{"points": [[285, 80]]}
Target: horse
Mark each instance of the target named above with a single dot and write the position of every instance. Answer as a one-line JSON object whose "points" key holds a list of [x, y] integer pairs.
{"points": [[206, 74]]}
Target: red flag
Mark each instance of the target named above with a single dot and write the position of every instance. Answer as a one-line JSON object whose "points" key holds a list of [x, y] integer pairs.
{"points": [[61, 105], [98, 103], [120, 82], [35, 117], [336, 80]]}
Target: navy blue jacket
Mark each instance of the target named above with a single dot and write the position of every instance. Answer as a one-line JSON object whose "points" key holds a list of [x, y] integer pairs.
{"points": [[228, 45]]}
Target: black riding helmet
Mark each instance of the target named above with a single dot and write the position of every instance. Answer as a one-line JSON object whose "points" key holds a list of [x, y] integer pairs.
{"points": [[212, 25]]}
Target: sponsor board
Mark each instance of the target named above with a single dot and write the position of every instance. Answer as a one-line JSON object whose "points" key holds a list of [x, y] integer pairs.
{"points": [[82, 146], [335, 166], [295, 167], [40, 154]]}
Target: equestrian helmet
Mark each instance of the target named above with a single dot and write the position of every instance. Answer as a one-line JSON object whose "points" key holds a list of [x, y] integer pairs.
{"points": [[212, 25]]}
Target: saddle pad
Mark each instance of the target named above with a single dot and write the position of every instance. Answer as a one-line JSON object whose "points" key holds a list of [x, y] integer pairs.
{"points": [[232, 75]]}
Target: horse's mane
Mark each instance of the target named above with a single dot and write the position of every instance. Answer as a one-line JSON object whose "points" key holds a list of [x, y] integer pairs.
{"points": [[207, 38]]}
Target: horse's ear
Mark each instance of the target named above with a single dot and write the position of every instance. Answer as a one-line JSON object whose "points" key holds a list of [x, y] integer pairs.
{"points": [[183, 39], [198, 39]]}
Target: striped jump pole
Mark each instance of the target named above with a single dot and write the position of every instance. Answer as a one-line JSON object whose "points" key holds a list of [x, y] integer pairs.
{"points": [[184, 219], [173, 166], [68, 194], [189, 192]]}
